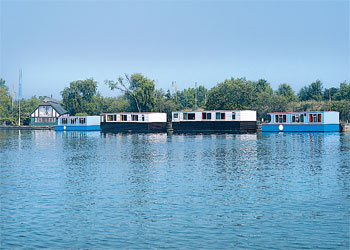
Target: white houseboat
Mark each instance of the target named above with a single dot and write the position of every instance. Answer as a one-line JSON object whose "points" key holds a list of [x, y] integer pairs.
{"points": [[309, 121], [78, 123], [144, 122], [219, 121]]}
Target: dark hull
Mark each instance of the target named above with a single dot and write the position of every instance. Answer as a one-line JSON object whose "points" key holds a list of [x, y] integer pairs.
{"points": [[214, 127], [133, 127]]}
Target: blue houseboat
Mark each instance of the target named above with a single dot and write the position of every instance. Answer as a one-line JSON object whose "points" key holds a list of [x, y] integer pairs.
{"points": [[309, 121], [78, 123]]}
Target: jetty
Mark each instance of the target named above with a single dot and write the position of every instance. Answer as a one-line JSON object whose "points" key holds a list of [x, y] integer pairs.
{"points": [[345, 127], [24, 127]]}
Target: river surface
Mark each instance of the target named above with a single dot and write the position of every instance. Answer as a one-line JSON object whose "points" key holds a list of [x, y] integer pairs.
{"points": [[104, 191]]}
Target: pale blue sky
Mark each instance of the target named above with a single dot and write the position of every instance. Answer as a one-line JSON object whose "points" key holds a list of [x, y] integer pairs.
{"points": [[56, 42]]}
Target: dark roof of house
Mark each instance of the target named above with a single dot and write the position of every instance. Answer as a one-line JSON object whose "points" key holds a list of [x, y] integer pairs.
{"points": [[53, 103]]}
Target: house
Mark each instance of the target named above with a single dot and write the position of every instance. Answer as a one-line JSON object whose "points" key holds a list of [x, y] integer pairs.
{"points": [[47, 113]]}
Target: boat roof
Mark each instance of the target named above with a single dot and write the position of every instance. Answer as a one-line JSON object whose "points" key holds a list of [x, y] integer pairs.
{"points": [[115, 113], [295, 112], [76, 116], [218, 110]]}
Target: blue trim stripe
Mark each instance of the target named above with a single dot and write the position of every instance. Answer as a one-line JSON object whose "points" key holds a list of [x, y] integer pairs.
{"points": [[300, 127], [78, 128]]}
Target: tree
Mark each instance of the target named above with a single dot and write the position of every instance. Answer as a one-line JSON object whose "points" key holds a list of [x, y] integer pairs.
{"points": [[231, 94], [138, 89], [344, 91], [311, 92], [5, 102], [262, 98], [333, 93], [287, 92], [2, 84], [80, 97]]}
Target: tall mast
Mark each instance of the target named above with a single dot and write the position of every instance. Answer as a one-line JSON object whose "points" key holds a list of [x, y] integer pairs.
{"points": [[19, 96]]}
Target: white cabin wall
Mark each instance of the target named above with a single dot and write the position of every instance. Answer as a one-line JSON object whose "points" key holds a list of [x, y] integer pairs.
{"points": [[156, 117], [247, 115], [331, 117]]}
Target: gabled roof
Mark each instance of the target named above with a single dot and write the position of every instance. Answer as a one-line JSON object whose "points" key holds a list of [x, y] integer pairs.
{"points": [[54, 104]]}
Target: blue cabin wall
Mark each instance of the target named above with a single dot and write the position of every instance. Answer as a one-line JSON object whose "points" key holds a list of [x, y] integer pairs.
{"points": [[327, 117], [329, 122], [92, 123]]}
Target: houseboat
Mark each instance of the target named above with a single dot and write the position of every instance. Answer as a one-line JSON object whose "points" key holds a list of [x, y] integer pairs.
{"points": [[310, 121], [219, 121], [78, 123], [143, 122]]}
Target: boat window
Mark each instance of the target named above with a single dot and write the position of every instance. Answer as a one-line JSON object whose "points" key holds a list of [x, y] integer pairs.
{"points": [[185, 116], [281, 118], [82, 120], [73, 121], [176, 115], [135, 117], [64, 120], [143, 118], [191, 116], [123, 117], [298, 118], [111, 118], [206, 116], [233, 115], [315, 118], [220, 116], [276, 118]]}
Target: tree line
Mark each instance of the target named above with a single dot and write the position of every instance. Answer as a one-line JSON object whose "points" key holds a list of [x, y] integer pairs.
{"points": [[138, 94]]}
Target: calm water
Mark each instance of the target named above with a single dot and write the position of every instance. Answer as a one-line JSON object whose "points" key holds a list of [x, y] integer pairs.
{"points": [[89, 190]]}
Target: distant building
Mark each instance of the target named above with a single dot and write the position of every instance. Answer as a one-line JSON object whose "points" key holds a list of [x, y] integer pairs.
{"points": [[47, 113]]}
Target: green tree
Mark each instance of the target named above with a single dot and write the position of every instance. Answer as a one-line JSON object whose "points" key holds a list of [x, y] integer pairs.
{"points": [[2, 84], [5, 102], [286, 91], [311, 92], [331, 92], [138, 89], [262, 98], [80, 97], [231, 94], [115, 104], [344, 91]]}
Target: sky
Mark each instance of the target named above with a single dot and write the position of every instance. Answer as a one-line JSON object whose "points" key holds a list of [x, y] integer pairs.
{"points": [[57, 42]]}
